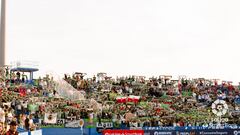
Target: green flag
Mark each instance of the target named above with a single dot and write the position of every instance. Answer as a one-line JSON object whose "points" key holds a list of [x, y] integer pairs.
{"points": [[32, 107], [165, 106], [186, 93]]}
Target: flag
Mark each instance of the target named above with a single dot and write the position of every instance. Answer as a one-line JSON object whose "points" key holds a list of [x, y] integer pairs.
{"points": [[164, 95], [50, 118], [22, 91], [132, 98], [165, 106], [121, 99], [33, 107], [186, 93]]}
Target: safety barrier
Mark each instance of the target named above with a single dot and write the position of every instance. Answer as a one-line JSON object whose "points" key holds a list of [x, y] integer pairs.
{"points": [[146, 131], [36, 132]]}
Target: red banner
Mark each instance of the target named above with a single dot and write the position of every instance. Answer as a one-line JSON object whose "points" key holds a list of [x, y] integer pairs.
{"points": [[123, 132]]}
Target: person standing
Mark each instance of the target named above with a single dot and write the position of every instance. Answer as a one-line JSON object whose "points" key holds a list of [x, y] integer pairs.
{"points": [[23, 77], [13, 129], [7, 73], [94, 78], [26, 123], [2, 131], [31, 123], [18, 77]]}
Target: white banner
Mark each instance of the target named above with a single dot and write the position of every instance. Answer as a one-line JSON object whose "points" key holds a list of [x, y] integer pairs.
{"points": [[104, 125], [74, 124], [23, 133], [50, 118], [36, 132]]}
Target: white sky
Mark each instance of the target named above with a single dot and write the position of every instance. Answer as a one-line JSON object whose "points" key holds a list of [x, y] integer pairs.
{"points": [[121, 37]]}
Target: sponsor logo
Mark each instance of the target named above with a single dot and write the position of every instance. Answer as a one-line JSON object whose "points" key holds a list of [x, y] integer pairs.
{"points": [[185, 133], [123, 132], [162, 133], [236, 132], [219, 107], [105, 125], [213, 133]]}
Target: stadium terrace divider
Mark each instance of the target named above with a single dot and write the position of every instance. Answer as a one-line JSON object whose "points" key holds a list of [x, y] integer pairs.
{"points": [[146, 131]]}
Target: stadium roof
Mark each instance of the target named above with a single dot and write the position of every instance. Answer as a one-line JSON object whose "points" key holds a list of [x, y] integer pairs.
{"points": [[21, 69]]}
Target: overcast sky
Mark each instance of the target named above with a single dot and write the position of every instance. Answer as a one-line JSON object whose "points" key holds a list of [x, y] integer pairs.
{"points": [[120, 37]]}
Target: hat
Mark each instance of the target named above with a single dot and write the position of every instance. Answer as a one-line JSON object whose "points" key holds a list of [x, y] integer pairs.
{"points": [[13, 123]]}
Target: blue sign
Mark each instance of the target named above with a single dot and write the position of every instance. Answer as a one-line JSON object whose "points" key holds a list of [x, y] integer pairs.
{"points": [[227, 130], [193, 132]]}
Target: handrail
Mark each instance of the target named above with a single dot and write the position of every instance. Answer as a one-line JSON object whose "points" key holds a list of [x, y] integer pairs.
{"points": [[24, 64]]}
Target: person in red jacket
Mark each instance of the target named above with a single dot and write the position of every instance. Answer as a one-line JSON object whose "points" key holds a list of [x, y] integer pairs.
{"points": [[181, 123], [13, 129]]}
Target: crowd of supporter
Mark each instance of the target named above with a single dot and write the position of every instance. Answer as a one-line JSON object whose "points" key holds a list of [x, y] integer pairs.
{"points": [[162, 102], [17, 98], [132, 101]]}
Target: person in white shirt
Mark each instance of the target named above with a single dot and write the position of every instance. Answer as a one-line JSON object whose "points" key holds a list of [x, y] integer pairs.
{"points": [[120, 91], [2, 115], [31, 123], [130, 90]]}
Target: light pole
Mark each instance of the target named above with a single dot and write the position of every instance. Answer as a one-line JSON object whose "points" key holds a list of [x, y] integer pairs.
{"points": [[2, 37]]}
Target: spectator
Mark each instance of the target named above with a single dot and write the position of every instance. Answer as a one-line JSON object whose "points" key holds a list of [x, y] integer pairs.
{"points": [[27, 123], [2, 115], [31, 123], [180, 123], [2, 130], [13, 129], [23, 78]]}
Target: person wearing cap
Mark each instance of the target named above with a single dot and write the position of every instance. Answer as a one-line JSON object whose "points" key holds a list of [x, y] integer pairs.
{"points": [[13, 129]]}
